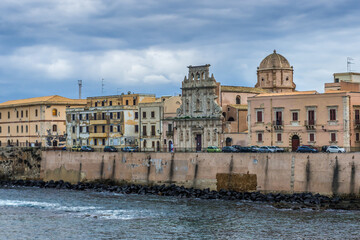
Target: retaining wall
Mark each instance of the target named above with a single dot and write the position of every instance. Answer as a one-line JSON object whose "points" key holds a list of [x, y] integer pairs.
{"points": [[277, 172]]}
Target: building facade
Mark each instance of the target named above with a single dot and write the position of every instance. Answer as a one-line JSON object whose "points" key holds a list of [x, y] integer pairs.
{"points": [[39, 121], [198, 122], [106, 120]]}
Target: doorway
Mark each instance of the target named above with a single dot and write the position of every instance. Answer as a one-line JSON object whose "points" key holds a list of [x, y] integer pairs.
{"points": [[198, 142], [295, 143]]}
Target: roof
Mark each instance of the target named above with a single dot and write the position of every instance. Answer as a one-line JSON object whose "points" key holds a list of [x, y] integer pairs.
{"points": [[54, 99], [239, 106], [242, 89], [274, 60], [287, 93]]}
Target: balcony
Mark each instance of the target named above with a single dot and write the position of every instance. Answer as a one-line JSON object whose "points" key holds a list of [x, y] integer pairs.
{"points": [[170, 133], [98, 122], [278, 124], [357, 123], [310, 124], [98, 135]]}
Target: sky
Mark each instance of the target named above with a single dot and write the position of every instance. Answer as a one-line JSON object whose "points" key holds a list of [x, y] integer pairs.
{"points": [[145, 46]]}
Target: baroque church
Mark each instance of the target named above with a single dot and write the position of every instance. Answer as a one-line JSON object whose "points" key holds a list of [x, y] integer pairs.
{"points": [[212, 114]]}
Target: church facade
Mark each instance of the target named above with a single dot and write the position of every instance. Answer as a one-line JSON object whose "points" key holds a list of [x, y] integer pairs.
{"points": [[198, 122]]}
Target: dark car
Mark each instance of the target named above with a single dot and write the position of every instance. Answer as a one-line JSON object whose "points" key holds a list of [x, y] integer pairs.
{"points": [[254, 148], [324, 148], [86, 149], [242, 149], [306, 149], [229, 149], [129, 149], [110, 149]]}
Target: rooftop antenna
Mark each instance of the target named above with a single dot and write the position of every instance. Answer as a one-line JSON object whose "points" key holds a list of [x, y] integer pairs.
{"points": [[80, 86], [102, 86], [349, 62]]}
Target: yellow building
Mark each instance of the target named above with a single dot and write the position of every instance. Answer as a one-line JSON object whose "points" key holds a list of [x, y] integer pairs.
{"points": [[39, 121], [106, 120]]}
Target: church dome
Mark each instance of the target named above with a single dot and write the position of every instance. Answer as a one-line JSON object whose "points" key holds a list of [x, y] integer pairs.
{"points": [[274, 60]]}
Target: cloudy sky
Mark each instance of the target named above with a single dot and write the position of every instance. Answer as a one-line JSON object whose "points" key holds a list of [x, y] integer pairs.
{"points": [[145, 46]]}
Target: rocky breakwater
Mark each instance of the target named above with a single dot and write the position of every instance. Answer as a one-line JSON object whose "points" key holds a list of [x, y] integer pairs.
{"points": [[294, 201], [20, 163]]}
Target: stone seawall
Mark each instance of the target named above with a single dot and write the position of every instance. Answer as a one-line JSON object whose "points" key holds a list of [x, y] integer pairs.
{"points": [[281, 172], [20, 163]]}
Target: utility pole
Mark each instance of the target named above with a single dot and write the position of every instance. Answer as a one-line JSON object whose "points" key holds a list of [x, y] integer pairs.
{"points": [[80, 86], [102, 86]]}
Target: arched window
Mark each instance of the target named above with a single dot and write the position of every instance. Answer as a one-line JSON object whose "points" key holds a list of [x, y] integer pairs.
{"points": [[208, 104], [198, 76], [192, 76], [231, 119], [238, 99], [54, 112], [224, 114]]}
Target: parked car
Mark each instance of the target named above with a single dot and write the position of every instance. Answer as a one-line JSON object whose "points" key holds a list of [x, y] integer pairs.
{"points": [[266, 149], [64, 148], [213, 149], [335, 149], [254, 148], [306, 149], [324, 148], [86, 149], [242, 149], [110, 149], [229, 149], [129, 149], [277, 149], [76, 148]]}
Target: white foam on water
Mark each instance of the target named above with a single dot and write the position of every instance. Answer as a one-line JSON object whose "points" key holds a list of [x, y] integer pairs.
{"points": [[119, 214], [45, 205]]}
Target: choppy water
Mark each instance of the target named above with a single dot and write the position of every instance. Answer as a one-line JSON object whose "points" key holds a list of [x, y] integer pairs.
{"points": [[32, 213]]}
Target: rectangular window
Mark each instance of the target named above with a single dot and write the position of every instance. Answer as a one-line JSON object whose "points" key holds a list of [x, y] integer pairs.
{"points": [[80, 116], [17, 114], [9, 114], [87, 129], [333, 137], [0, 115], [312, 137], [0, 129], [95, 142], [9, 129], [103, 103], [259, 137], [134, 101], [127, 102], [152, 114], [295, 116], [119, 128], [73, 117], [357, 116], [144, 114], [111, 115], [103, 141], [26, 113], [144, 131], [87, 116], [357, 137], [259, 116], [152, 130], [332, 114], [136, 128], [95, 129], [136, 115], [73, 129], [103, 116], [311, 117], [36, 112], [95, 116], [118, 115], [111, 128], [22, 114], [279, 137], [278, 118], [110, 103], [95, 104], [103, 129]]}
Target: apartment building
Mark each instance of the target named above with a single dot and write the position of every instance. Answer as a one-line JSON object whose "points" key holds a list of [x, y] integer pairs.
{"points": [[39, 121]]}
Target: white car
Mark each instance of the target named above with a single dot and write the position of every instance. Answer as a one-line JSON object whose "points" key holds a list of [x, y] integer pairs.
{"points": [[335, 149]]}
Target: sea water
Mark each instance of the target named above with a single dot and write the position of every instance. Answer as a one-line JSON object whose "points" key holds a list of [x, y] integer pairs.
{"points": [[34, 213]]}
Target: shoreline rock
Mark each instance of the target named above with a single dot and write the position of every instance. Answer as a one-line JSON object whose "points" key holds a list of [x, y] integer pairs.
{"points": [[294, 201]]}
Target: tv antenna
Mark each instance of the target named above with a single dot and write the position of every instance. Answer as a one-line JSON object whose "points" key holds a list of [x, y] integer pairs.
{"points": [[102, 86], [349, 62], [80, 86]]}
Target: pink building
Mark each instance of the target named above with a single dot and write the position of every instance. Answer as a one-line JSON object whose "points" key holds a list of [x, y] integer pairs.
{"points": [[305, 118]]}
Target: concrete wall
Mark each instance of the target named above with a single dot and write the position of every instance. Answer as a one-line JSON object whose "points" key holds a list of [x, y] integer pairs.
{"points": [[285, 172]]}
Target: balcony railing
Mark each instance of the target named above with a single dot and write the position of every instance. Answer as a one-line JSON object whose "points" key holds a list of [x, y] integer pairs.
{"points": [[278, 123], [310, 124], [169, 133], [357, 123]]}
